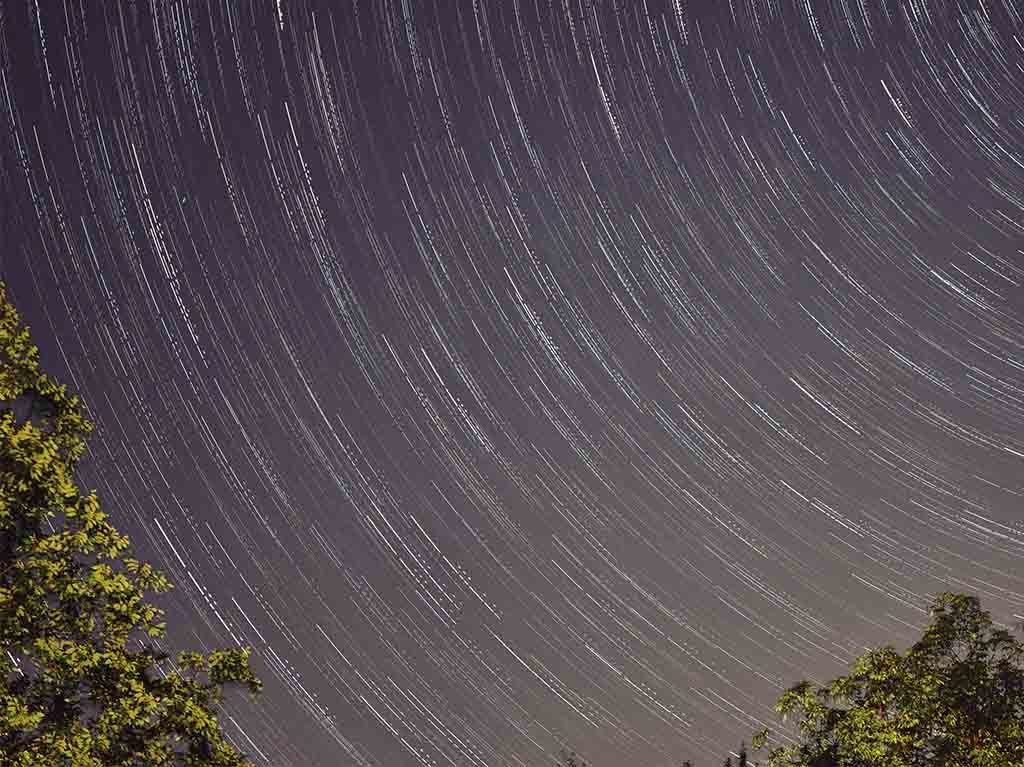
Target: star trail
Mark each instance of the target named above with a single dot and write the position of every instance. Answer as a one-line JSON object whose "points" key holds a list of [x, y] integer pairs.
{"points": [[518, 374]]}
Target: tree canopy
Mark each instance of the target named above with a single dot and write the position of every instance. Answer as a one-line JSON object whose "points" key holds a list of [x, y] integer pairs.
{"points": [[84, 685], [954, 699]]}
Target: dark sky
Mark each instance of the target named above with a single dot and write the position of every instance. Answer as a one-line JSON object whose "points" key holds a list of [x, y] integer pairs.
{"points": [[522, 373]]}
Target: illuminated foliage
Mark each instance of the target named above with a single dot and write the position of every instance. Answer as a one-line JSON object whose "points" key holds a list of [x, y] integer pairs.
{"points": [[954, 699], [82, 687]]}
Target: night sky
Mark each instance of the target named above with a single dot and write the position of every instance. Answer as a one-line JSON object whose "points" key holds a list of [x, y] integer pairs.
{"points": [[513, 374]]}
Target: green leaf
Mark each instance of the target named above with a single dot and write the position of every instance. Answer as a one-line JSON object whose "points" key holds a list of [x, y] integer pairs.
{"points": [[73, 605]]}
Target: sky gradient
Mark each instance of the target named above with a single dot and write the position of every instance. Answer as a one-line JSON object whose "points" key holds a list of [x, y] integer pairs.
{"points": [[536, 373]]}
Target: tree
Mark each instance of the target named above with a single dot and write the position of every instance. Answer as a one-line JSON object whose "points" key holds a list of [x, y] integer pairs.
{"points": [[955, 699], [83, 684], [569, 758]]}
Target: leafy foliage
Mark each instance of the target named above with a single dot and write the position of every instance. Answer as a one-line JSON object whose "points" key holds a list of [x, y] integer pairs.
{"points": [[955, 699], [81, 686]]}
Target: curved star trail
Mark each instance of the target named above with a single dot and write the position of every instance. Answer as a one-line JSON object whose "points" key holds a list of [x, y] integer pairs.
{"points": [[522, 374]]}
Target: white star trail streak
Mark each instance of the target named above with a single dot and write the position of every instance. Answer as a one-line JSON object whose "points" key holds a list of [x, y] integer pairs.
{"points": [[518, 375]]}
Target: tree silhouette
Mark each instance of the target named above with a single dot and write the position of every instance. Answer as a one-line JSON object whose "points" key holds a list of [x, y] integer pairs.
{"points": [[569, 758]]}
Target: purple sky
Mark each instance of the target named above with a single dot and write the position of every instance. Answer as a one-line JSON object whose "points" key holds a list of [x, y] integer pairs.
{"points": [[532, 373]]}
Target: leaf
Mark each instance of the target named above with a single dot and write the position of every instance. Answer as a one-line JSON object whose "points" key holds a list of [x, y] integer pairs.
{"points": [[73, 605], [955, 698]]}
